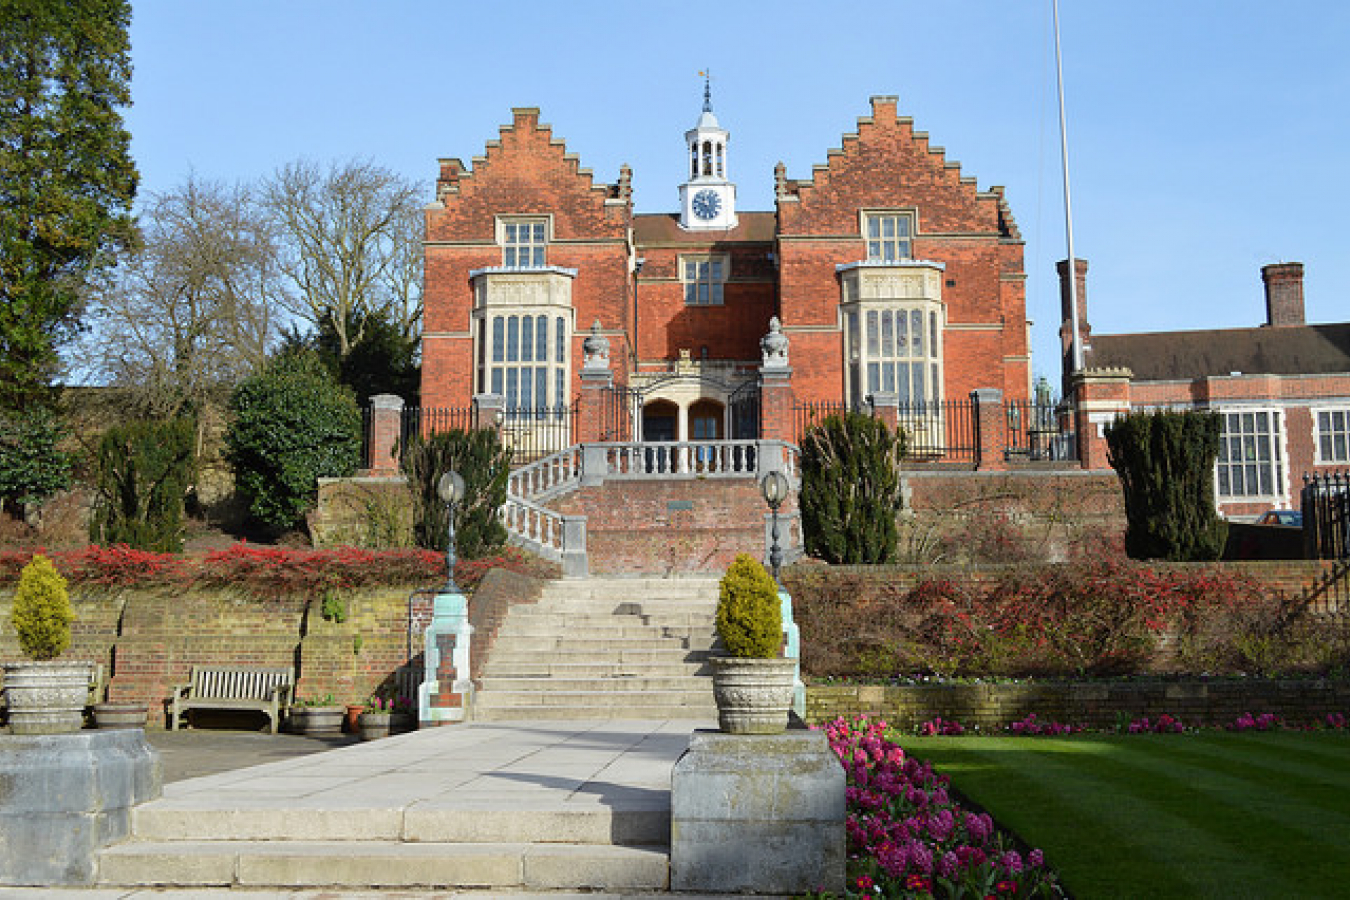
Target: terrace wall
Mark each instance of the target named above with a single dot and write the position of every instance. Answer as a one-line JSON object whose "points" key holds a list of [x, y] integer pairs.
{"points": [[1097, 704]]}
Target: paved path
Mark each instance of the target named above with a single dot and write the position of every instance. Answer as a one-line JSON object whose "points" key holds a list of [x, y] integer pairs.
{"points": [[497, 768]]}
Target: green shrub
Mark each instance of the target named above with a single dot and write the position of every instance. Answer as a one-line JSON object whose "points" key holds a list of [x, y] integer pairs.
{"points": [[42, 613], [484, 464], [31, 466], [1165, 461], [292, 426], [749, 618], [142, 472], [851, 490]]}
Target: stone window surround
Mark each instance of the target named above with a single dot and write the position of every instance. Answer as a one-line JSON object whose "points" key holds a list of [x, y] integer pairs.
{"points": [[870, 286], [908, 213], [500, 231], [1276, 439], [715, 286], [1337, 435]]}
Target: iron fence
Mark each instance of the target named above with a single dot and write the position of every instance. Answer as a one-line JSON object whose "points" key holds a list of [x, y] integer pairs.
{"points": [[1325, 502], [537, 431], [935, 432], [1037, 432], [415, 420]]}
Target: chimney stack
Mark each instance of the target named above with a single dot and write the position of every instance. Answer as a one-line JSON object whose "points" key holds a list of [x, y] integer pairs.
{"points": [[1284, 294], [1066, 328]]}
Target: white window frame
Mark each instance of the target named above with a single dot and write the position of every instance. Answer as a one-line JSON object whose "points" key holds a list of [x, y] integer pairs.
{"points": [[536, 231], [1256, 449], [517, 369], [704, 277], [883, 247], [877, 362], [1336, 432]]}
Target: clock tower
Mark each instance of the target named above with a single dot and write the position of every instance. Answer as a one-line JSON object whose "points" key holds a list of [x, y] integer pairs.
{"points": [[707, 199]]}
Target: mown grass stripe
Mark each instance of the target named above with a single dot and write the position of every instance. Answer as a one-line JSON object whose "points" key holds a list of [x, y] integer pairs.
{"points": [[1104, 841], [1246, 759], [1176, 830], [1243, 812]]}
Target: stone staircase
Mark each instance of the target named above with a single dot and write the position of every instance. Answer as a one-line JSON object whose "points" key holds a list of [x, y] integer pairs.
{"points": [[568, 807], [597, 648]]}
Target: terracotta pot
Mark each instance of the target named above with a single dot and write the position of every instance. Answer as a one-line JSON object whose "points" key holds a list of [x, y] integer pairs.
{"points": [[375, 725], [47, 697], [120, 715], [753, 695], [351, 725]]}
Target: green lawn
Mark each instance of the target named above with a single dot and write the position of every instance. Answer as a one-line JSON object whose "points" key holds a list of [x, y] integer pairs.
{"points": [[1213, 814]]}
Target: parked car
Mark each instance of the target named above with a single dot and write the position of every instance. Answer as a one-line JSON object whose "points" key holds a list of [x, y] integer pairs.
{"points": [[1281, 517]]}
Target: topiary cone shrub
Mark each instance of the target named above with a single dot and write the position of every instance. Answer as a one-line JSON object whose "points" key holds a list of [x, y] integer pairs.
{"points": [[42, 613], [749, 619]]}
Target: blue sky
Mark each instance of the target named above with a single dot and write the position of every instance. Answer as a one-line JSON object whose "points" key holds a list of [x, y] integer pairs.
{"points": [[1206, 138]]}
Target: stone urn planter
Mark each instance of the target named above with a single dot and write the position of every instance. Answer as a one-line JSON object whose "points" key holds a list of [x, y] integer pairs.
{"points": [[120, 715], [375, 725], [318, 721], [47, 697], [753, 696]]}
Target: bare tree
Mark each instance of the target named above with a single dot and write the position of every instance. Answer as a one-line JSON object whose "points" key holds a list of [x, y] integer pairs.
{"points": [[347, 232], [197, 306]]}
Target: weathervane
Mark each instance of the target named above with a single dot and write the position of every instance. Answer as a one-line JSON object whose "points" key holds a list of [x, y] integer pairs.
{"points": [[707, 90]]}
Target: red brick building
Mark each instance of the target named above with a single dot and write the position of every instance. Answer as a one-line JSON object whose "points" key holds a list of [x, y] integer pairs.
{"points": [[893, 276], [1283, 389]]}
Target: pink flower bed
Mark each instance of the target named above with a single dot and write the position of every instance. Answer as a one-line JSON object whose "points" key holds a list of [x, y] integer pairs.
{"points": [[907, 837]]}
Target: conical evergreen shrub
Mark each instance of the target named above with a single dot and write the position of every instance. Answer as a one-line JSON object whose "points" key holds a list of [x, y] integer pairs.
{"points": [[1165, 461], [42, 614], [749, 616], [851, 489]]}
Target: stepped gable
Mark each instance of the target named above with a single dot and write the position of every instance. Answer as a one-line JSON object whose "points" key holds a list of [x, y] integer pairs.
{"points": [[527, 170], [917, 174]]}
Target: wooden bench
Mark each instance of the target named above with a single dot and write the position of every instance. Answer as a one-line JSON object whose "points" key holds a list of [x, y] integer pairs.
{"points": [[220, 687]]}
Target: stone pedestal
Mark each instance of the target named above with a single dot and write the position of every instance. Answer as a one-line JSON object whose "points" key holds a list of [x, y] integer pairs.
{"points": [[446, 694], [757, 814], [64, 796]]}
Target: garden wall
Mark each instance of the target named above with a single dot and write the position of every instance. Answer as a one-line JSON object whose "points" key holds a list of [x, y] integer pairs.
{"points": [[149, 639], [1027, 515], [1096, 704]]}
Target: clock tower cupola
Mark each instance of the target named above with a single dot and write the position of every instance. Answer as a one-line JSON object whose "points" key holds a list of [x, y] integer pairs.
{"points": [[707, 199]]}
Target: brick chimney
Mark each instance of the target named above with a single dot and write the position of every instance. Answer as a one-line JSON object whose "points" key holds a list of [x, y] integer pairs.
{"points": [[1066, 328], [1284, 294]]}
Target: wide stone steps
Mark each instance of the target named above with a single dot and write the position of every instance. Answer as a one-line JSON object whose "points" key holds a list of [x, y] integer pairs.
{"points": [[603, 648], [385, 864]]}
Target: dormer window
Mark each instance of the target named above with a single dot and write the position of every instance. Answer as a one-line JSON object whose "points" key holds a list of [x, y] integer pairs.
{"points": [[888, 235], [524, 242]]}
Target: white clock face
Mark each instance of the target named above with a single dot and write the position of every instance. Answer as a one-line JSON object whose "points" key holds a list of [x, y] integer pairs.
{"points": [[707, 204]]}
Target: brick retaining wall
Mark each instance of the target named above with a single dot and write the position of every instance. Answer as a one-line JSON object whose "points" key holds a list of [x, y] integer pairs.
{"points": [[1098, 704]]}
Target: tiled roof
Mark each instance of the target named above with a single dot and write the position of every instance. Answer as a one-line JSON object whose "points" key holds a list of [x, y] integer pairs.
{"points": [[664, 228], [1174, 355]]}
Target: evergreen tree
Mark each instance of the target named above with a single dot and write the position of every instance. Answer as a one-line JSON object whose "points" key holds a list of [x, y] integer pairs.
{"points": [[1165, 461], [479, 457], [143, 471], [851, 489], [67, 179]]}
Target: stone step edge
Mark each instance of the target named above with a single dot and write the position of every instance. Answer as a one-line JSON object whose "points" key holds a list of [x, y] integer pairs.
{"points": [[626, 824], [324, 864]]}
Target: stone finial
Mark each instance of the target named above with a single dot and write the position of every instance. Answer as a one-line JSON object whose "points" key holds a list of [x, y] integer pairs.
{"points": [[596, 349], [774, 345]]}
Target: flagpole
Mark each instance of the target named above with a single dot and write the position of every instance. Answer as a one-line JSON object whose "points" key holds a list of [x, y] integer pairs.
{"points": [[1076, 346]]}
